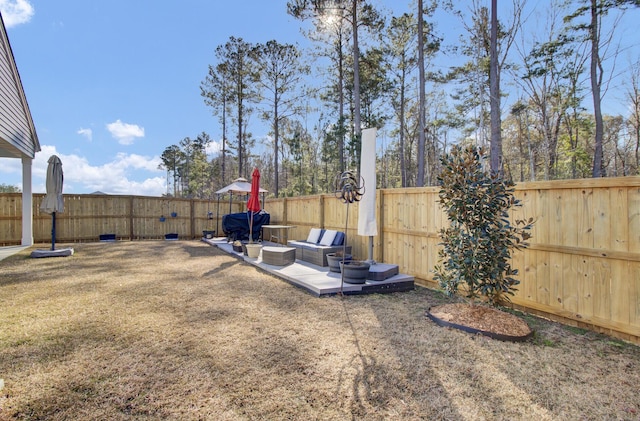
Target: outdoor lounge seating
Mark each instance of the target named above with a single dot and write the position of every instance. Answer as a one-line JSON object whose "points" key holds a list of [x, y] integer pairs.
{"points": [[318, 244]]}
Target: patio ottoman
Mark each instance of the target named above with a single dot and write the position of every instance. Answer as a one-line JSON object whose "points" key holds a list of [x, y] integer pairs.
{"points": [[278, 256]]}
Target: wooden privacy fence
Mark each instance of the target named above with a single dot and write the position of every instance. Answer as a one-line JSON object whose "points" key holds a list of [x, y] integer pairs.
{"points": [[583, 265], [582, 268], [87, 216]]}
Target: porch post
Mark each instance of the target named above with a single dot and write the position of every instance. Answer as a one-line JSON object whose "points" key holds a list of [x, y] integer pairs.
{"points": [[27, 202]]}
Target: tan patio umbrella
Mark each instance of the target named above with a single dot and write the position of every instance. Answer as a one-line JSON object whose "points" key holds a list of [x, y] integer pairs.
{"points": [[53, 203], [239, 186]]}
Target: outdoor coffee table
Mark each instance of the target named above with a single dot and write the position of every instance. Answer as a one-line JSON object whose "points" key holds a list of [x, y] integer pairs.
{"points": [[279, 231]]}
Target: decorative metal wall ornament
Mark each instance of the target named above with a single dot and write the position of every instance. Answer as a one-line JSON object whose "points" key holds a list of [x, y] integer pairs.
{"points": [[348, 189]]}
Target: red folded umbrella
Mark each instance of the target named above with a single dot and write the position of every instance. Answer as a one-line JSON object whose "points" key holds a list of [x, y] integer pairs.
{"points": [[253, 205], [254, 201]]}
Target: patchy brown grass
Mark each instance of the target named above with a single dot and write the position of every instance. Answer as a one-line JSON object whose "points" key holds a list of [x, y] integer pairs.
{"points": [[181, 330]]}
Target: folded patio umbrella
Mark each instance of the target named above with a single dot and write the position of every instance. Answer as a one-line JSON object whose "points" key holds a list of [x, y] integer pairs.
{"points": [[53, 201], [253, 205], [367, 222]]}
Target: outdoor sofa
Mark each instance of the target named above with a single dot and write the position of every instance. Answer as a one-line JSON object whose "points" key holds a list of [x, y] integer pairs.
{"points": [[318, 244]]}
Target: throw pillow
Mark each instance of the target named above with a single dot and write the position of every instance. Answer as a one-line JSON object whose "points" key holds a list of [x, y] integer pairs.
{"points": [[314, 234], [339, 239], [328, 237]]}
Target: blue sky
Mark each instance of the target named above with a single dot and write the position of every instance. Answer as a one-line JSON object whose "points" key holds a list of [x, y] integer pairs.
{"points": [[111, 84]]}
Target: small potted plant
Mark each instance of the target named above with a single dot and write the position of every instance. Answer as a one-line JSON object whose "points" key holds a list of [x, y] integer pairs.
{"points": [[355, 271], [334, 259], [237, 246], [253, 249]]}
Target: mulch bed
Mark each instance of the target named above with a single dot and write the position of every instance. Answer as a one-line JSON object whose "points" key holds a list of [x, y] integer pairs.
{"points": [[482, 318]]}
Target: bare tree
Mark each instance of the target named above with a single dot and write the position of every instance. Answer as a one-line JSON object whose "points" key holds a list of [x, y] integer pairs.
{"points": [[595, 10], [281, 71], [633, 94], [495, 156], [216, 91], [401, 35], [235, 59], [421, 96], [550, 68]]}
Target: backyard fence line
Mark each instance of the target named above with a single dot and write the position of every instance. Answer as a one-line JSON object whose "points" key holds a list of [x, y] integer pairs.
{"points": [[582, 266], [86, 217]]}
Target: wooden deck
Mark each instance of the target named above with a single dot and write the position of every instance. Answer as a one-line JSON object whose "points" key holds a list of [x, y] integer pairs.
{"points": [[318, 280]]}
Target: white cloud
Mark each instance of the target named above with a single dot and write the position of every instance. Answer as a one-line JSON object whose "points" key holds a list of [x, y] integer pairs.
{"points": [[128, 174], [88, 133], [125, 174], [15, 12], [124, 132], [214, 148]]}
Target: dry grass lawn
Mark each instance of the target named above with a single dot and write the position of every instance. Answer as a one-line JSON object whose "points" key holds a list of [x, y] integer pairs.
{"points": [[181, 330]]}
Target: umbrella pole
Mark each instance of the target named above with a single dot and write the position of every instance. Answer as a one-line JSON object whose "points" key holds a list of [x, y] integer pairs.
{"points": [[344, 252], [251, 228], [53, 231], [218, 217], [370, 251]]}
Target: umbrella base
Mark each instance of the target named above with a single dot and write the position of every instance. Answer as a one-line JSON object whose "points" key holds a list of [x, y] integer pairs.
{"points": [[52, 253]]}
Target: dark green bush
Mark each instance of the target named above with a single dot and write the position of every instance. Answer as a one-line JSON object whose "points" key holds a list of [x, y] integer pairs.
{"points": [[478, 244]]}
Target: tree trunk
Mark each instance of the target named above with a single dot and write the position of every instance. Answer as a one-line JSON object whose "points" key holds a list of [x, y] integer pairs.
{"points": [[421, 107], [596, 75], [275, 141], [224, 140], [356, 74], [341, 106], [403, 164], [494, 82]]}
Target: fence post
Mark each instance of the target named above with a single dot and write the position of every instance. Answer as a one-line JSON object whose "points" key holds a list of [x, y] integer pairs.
{"points": [[321, 204], [285, 215], [380, 214], [192, 211], [131, 230]]}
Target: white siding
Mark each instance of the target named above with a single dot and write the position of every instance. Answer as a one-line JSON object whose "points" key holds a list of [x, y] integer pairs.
{"points": [[17, 132]]}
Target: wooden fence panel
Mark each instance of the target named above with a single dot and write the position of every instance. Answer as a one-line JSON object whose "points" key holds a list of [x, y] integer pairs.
{"points": [[10, 211], [633, 208], [304, 213], [276, 209], [584, 254]]}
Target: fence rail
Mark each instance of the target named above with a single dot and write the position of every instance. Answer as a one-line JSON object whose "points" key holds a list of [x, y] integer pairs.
{"points": [[582, 268]]}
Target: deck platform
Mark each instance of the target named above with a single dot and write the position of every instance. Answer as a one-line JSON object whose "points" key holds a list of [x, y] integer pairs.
{"points": [[318, 280]]}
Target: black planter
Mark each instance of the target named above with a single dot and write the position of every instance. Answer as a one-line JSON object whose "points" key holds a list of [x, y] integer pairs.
{"points": [[107, 237], [208, 234], [355, 271], [334, 261]]}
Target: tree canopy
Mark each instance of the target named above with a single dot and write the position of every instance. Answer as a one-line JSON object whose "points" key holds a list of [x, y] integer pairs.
{"points": [[364, 67]]}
